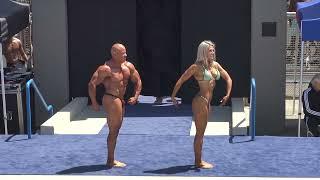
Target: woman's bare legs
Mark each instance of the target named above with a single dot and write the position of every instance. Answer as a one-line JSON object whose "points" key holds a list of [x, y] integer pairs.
{"points": [[200, 111]]}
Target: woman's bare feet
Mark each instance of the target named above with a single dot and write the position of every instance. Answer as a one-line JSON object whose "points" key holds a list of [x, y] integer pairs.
{"points": [[204, 165], [116, 164]]}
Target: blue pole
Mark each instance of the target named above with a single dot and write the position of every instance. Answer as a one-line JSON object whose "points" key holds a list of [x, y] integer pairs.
{"points": [[49, 108], [28, 108]]}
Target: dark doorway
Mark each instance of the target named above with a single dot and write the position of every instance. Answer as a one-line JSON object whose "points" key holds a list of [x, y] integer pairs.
{"points": [[158, 42], [228, 24]]}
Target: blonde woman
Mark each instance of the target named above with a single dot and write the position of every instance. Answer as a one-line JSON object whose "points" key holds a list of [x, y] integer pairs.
{"points": [[206, 71]]}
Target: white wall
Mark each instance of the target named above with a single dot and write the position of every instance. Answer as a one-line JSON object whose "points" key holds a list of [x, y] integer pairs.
{"points": [[268, 65]]}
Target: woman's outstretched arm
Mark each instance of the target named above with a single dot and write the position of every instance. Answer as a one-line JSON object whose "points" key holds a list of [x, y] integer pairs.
{"points": [[185, 76]]}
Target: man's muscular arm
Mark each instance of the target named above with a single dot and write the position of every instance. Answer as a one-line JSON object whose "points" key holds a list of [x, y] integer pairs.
{"points": [[21, 51], [98, 76], [135, 78]]}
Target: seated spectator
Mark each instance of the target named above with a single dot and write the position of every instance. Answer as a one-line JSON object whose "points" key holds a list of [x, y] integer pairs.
{"points": [[311, 106]]}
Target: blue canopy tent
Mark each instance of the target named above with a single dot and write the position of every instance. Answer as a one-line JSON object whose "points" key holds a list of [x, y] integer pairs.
{"points": [[14, 17], [308, 17]]}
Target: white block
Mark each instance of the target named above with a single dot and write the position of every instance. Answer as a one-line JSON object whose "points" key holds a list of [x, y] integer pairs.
{"points": [[240, 122], [62, 118]]}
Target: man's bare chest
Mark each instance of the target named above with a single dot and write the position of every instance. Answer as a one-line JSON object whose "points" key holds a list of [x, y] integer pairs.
{"points": [[120, 74]]}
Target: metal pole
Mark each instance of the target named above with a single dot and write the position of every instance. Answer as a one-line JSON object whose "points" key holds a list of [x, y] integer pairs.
{"points": [[3, 92], [300, 86], [253, 109], [20, 110], [295, 71]]}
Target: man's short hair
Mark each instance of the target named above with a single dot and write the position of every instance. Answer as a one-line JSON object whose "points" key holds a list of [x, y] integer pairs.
{"points": [[315, 78]]}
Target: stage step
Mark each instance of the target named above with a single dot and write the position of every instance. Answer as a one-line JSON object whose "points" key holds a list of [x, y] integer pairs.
{"points": [[78, 118]]}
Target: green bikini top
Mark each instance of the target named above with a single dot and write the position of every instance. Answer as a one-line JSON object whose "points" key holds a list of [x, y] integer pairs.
{"points": [[207, 76], [218, 74]]}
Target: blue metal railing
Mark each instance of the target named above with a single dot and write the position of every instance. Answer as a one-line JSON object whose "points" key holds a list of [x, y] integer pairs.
{"points": [[253, 109], [49, 108]]}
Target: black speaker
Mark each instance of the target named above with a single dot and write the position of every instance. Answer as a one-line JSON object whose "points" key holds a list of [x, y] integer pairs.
{"points": [[13, 103], [269, 29]]}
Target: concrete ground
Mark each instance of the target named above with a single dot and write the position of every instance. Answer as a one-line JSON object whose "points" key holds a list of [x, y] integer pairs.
{"points": [[292, 119]]}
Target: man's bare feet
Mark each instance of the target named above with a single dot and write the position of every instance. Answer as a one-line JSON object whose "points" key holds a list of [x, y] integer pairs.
{"points": [[204, 165], [116, 164]]}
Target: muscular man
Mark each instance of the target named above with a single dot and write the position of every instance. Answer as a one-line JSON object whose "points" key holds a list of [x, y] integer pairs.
{"points": [[114, 75], [13, 52]]}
